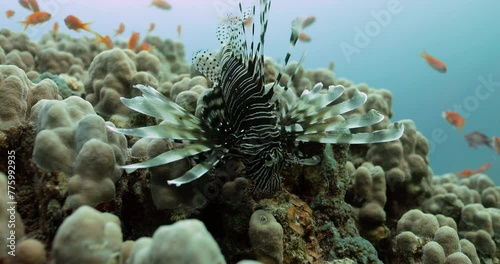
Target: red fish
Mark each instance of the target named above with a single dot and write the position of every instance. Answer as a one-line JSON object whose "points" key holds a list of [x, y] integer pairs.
{"points": [[465, 173], [106, 40], [179, 30], [304, 37], [133, 41], [483, 168], [308, 21], [248, 22], [31, 5], [161, 4], [476, 138], [9, 13], [36, 18], [145, 46], [151, 27], [55, 30], [72, 22], [455, 119], [433, 62], [120, 29]]}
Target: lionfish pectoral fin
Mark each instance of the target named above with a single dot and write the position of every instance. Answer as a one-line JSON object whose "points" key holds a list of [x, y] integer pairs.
{"points": [[167, 157], [198, 170], [153, 103], [368, 119], [163, 131], [314, 101], [357, 99], [394, 132]]}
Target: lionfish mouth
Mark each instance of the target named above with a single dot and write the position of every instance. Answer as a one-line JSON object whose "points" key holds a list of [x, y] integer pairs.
{"points": [[244, 118]]}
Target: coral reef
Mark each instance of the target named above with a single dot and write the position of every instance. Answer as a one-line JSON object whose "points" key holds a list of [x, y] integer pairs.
{"points": [[88, 236], [18, 94], [72, 139], [367, 203]]}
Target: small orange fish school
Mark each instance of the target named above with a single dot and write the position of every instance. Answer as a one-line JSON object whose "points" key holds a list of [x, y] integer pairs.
{"points": [[36, 17], [74, 23]]}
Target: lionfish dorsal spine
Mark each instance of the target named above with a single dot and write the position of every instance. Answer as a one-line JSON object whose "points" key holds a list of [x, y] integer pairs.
{"points": [[297, 25]]}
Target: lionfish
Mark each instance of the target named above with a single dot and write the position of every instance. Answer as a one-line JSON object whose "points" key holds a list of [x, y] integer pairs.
{"points": [[243, 118]]}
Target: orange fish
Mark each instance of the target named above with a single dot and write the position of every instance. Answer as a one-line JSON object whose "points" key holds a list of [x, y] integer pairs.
{"points": [[145, 46], [9, 13], [304, 37], [106, 40], [55, 30], [161, 4], [433, 62], [133, 41], [308, 21], [455, 119], [30, 5], [483, 168], [495, 142], [179, 30], [120, 29], [151, 27], [36, 18], [465, 173], [248, 22], [72, 22]]}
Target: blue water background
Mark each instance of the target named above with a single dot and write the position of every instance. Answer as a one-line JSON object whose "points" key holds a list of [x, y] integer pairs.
{"points": [[463, 34]]}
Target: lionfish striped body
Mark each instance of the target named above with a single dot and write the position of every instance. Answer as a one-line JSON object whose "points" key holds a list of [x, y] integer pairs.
{"points": [[241, 117]]}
